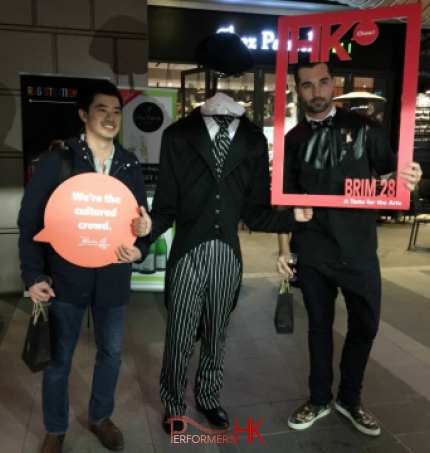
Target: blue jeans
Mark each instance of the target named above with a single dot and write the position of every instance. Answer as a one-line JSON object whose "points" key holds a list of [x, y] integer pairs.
{"points": [[65, 323]]}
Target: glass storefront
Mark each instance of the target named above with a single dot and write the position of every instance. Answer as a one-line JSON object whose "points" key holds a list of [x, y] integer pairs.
{"points": [[255, 91], [367, 93]]}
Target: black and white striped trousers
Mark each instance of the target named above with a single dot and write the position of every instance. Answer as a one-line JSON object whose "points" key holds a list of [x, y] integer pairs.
{"points": [[203, 284]]}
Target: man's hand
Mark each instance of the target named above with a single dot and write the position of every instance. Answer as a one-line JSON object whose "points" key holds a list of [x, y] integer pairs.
{"points": [[411, 174], [282, 264], [128, 254], [41, 292], [142, 225], [303, 214]]}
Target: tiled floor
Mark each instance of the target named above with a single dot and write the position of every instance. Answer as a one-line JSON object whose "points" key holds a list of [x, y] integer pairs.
{"points": [[265, 373]]}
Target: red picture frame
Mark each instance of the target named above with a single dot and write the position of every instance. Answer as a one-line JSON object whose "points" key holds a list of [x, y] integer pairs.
{"points": [[363, 22]]}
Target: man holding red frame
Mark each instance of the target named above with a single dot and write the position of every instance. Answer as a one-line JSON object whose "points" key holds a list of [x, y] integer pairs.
{"points": [[337, 248]]}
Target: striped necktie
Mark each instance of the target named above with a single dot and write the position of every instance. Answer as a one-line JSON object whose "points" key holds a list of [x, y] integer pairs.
{"points": [[221, 143]]}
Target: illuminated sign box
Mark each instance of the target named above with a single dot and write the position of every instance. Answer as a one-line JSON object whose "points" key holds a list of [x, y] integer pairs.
{"points": [[327, 33]]}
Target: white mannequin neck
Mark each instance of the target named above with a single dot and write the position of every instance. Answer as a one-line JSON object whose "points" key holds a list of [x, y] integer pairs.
{"points": [[221, 104]]}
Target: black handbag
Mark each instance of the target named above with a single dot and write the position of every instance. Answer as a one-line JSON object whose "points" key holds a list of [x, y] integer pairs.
{"points": [[284, 315], [37, 347]]}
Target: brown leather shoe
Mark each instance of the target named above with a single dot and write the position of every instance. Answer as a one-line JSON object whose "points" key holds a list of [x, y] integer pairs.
{"points": [[108, 434], [52, 444]]}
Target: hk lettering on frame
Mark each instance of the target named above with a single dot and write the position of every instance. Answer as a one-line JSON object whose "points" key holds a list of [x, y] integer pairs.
{"points": [[322, 36]]}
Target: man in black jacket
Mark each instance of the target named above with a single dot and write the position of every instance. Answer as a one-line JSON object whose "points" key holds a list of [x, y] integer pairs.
{"points": [[70, 289], [337, 248]]}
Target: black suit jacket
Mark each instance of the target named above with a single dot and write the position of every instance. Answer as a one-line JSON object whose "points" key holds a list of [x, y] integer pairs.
{"points": [[318, 162], [204, 208]]}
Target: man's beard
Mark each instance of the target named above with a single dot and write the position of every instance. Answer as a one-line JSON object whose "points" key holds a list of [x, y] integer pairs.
{"points": [[318, 108]]}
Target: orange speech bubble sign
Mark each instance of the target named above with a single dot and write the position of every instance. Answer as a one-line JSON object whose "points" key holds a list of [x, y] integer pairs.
{"points": [[88, 217]]}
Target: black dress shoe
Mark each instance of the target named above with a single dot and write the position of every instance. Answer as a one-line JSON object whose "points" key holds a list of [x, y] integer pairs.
{"points": [[217, 416], [178, 425]]}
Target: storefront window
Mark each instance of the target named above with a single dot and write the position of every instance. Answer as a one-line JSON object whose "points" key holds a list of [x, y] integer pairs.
{"points": [[194, 92], [422, 118], [364, 95], [241, 89], [291, 117], [364, 84], [168, 75], [339, 88]]}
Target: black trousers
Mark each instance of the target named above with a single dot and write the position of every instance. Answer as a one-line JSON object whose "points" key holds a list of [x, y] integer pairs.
{"points": [[203, 285], [361, 288]]}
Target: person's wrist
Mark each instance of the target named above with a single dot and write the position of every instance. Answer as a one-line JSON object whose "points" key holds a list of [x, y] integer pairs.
{"points": [[43, 279]]}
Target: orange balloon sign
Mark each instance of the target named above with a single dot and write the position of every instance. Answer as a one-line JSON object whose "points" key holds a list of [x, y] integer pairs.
{"points": [[88, 217]]}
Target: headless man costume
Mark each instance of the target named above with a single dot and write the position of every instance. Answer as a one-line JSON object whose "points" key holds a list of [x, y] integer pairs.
{"points": [[205, 266]]}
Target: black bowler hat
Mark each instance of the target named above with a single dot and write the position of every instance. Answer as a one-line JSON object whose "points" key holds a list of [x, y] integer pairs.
{"points": [[225, 53]]}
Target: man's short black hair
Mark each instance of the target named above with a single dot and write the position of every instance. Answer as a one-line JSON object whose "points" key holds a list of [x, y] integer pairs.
{"points": [[88, 92], [308, 64]]}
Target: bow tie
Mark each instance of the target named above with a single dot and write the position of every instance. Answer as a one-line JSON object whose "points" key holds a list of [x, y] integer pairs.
{"points": [[328, 122]]}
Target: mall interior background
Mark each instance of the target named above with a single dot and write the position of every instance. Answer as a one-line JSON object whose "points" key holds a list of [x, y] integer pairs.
{"points": [[266, 373], [149, 43]]}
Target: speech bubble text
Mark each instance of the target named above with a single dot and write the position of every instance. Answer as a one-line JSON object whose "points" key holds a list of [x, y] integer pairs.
{"points": [[93, 211], [86, 226]]}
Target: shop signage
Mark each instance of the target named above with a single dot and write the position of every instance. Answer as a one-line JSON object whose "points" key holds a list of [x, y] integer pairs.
{"points": [[327, 33], [48, 109], [146, 114], [268, 41], [148, 117]]}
